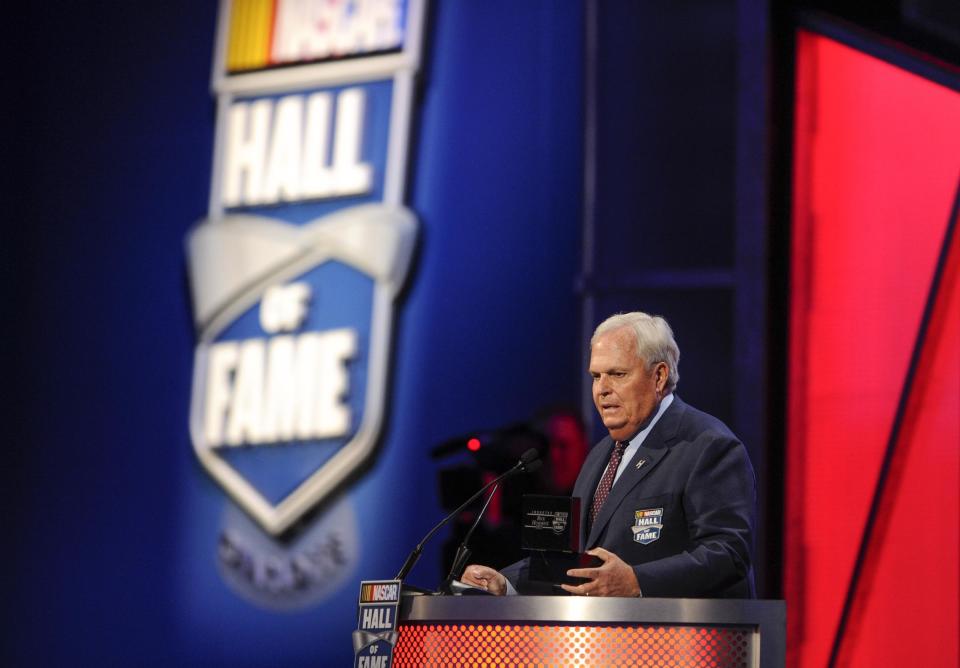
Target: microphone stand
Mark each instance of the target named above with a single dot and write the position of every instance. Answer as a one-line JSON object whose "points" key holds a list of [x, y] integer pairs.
{"points": [[529, 461], [463, 552]]}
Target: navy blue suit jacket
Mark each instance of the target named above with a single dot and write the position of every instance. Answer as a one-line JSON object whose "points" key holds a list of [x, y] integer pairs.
{"points": [[693, 469]]}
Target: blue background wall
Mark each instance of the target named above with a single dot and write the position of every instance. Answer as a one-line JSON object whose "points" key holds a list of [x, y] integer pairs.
{"points": [[110, 140], [110, 524]]}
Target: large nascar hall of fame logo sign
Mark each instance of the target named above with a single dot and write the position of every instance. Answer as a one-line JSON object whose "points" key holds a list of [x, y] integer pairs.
{"points": [[294, 272]]}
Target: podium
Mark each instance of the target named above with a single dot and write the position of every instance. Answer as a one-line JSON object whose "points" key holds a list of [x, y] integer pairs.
{"points": [[579, 631]]}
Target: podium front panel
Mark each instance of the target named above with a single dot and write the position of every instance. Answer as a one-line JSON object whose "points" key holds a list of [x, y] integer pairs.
{"points": [[576, 631]]}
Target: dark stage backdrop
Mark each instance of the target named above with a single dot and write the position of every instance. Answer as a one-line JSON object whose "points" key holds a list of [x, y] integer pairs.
{"points": [[113, 526]]}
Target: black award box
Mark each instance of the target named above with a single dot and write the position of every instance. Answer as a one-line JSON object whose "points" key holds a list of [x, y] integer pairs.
{"points": [[551, 523], [551, 532]]}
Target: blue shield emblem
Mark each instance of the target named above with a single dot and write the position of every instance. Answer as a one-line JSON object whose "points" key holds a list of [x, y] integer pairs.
{"points": [[307, 243], [290, 370]]}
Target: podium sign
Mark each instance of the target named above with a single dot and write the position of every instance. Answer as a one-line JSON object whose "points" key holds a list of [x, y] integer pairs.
{"points": [[376, 633]]}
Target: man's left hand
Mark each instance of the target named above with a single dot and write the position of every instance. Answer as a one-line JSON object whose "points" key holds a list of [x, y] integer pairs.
{"points": [[612, 578]]}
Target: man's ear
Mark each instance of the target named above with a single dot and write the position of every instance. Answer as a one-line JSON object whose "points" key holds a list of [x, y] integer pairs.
{"points": [[662, 373]]}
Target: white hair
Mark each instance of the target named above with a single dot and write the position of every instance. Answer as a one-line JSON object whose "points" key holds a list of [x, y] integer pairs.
{"points": [[655, 342]]}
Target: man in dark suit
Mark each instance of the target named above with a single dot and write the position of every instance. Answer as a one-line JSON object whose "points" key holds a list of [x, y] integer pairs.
{"points": [[668, 498]]}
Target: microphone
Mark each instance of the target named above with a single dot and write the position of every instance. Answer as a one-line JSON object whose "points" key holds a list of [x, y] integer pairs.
{"points": [[529, 461]]}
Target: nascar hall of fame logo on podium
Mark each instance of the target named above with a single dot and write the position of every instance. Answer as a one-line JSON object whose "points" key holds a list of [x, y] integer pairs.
{"points": [[306, 245], [376, 634]]}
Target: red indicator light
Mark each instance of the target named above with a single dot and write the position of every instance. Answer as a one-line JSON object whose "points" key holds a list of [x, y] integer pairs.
{"points": [[473, 444]]}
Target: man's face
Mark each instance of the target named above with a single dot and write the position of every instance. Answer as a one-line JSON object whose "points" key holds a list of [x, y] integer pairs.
{"points": [[624, 390]]}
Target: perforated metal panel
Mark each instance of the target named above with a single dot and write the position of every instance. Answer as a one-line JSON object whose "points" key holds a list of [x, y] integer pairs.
{"points": [[571, 646]]}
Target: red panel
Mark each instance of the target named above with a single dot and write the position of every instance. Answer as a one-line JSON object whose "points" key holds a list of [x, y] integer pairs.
{"points": [[877, 163], [912, 573]]}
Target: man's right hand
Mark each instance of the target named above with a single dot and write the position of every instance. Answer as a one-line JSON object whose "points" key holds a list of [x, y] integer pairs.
{"points": [[484, 577]]}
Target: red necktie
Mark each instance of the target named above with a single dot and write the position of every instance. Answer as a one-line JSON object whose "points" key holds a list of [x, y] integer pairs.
{"points": [[606, 482]]}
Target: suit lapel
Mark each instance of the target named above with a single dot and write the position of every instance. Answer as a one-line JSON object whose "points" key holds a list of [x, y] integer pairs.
{"points": [[655, 447]]}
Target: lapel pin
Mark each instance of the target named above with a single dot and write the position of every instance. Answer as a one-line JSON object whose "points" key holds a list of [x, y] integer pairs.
{"points": [[641, 462]]}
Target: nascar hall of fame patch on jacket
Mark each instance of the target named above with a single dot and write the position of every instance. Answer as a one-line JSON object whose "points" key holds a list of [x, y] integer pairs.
{"points": [[294, 272], [647, 525]]}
